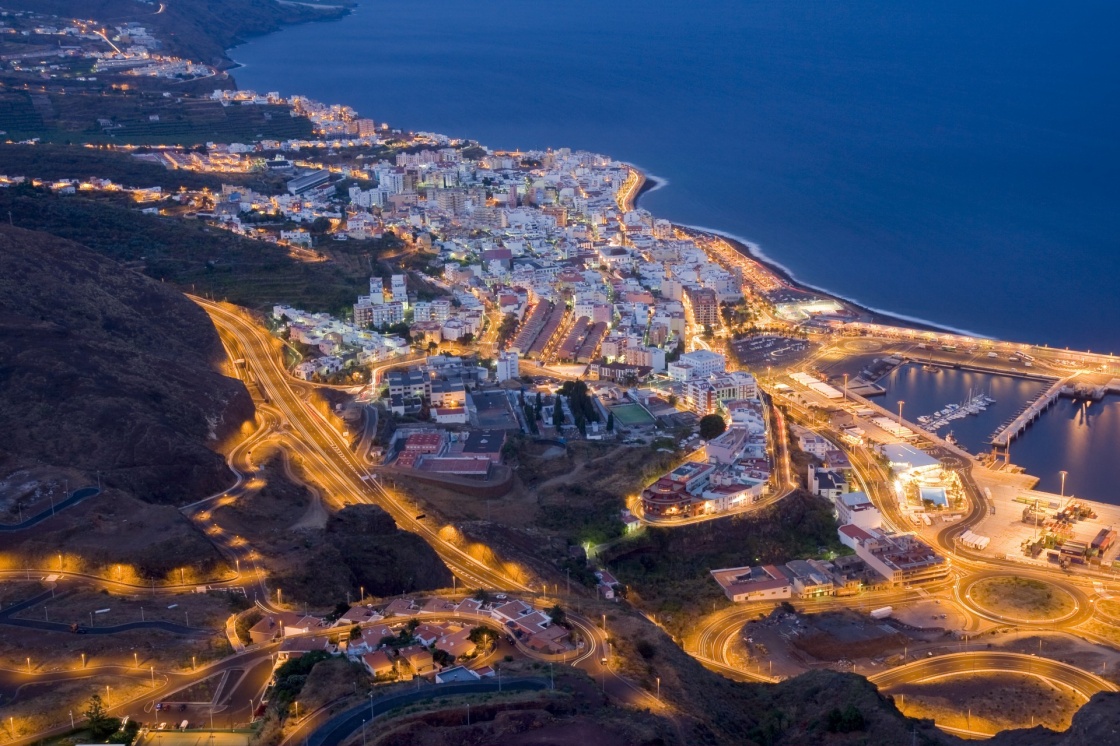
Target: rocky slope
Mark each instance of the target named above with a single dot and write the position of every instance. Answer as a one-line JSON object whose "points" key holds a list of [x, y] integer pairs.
{"points": [[102, 369]]}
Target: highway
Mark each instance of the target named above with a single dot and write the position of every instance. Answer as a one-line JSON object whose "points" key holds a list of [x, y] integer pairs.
{"points": [[327, 455]]}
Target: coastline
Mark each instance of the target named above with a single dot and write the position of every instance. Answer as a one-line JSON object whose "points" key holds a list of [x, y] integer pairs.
{"points": [[753, 252]]}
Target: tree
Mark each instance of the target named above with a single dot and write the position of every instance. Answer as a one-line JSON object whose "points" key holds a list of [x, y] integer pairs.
{"points": [[100, 724], [557, 413], [483, 637], [711, 426], [610, 422], [556, 613], [672, 400], [442, 657]]}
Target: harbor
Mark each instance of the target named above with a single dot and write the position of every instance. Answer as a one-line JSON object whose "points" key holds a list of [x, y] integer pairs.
{"points": [[1072, 435]]}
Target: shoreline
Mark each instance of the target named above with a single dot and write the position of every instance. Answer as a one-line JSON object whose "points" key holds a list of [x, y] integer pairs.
{"points": [[754, 253]]}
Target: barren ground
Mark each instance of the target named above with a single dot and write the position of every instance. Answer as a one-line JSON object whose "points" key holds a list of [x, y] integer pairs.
{"points": [[996, 702]]}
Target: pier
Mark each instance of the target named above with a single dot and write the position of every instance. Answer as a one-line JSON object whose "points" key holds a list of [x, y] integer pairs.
{"points": [[1002, 437], [1090, 388]]}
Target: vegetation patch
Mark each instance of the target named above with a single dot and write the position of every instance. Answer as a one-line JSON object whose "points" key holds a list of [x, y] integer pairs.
{"points": [[1021, 598]]}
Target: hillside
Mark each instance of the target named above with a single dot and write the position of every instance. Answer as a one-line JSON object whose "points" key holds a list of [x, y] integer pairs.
{"points": [[104, 370], [201, 30]]}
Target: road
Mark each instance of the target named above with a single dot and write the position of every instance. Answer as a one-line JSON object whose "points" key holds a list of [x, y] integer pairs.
{"points": [[75, 497], [955, 664], [326, 455]]}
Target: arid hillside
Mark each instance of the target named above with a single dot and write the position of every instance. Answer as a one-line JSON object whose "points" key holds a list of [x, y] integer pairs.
{"points": [[105, 370]]}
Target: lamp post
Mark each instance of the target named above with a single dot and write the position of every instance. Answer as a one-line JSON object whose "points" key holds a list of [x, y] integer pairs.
{"points": [[1063, 474], [658, 688]]}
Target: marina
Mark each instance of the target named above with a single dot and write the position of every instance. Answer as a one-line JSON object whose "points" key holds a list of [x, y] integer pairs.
{"points": [[974, 405]]}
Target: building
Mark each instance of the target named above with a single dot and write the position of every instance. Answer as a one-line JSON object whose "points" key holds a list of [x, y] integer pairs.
{"points": [[906, 460], [705, 395], [485, 444], [703, 305], [827, 483], [899, 558], [856, 508], [379, 664], [677, 493], [408, 383], [741, 584], [697, 364], [809, 581], [308, 181], [507, 366]]}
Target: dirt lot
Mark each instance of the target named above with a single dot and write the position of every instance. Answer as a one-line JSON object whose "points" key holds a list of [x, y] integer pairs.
{"points": [[29, 491], [996, 703], [160, 542], [40, 706], [52, 651], [204, 610], [1022, 598]]}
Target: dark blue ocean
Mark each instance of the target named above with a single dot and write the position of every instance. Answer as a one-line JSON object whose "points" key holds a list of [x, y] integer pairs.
{"points": [[950, 160]]}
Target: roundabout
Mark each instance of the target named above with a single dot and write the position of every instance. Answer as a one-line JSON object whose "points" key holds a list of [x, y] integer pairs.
{"points": [[861, 345], [1023, 600]]}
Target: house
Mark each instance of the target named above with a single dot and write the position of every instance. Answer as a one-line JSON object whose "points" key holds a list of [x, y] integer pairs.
{"points": [[457, 644], [280, 624], [437, 605], [379, 664], [427, 634], [400, 607], [369, 639], [469, 606], [418, 659], [294, 647], [357, 615]]}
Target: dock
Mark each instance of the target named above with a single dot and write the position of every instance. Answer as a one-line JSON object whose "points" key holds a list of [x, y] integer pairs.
{"points": [[1003, 436], [1086, 389]]}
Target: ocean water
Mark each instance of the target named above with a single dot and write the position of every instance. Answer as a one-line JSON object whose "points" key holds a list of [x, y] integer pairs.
{"points": [[950, 160]]}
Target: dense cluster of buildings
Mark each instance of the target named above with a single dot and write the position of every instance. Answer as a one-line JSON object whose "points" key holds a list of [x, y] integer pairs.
{"points": [[339, 344], [735, 474], [881, 559], [396, 641]]}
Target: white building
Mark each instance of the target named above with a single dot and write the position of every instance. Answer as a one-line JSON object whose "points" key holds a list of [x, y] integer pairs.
{"points": [[698, 364], [507, 366]]}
